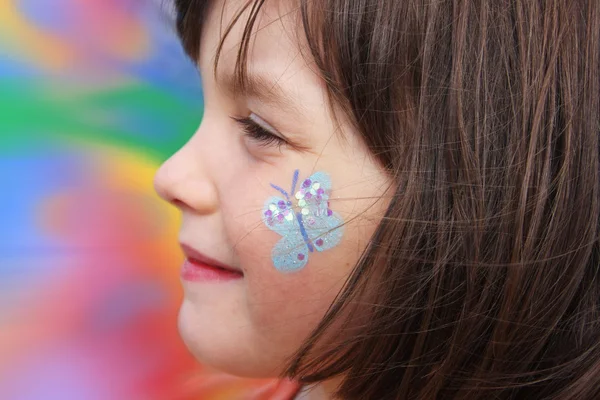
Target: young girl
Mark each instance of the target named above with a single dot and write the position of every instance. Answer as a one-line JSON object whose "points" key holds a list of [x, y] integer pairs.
{"points": [[394, 199]]}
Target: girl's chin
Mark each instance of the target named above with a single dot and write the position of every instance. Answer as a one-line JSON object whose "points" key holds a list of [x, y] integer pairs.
{"points": [[225, 348]]}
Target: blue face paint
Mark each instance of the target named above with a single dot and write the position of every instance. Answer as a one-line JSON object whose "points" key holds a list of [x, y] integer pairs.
{"points": [[304, 220]]}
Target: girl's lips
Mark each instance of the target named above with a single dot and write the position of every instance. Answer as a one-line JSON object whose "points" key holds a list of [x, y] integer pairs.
{"points": [[194, 270], [198, 267]]}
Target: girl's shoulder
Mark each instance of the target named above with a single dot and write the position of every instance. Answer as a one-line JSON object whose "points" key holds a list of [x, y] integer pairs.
{"points": [[285, 389], [211, 384], [275, 389]]}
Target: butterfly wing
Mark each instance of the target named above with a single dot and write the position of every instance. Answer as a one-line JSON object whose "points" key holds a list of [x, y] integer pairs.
{"points": [[323, 227], [290, 253], [326, 232], [278, 215]]}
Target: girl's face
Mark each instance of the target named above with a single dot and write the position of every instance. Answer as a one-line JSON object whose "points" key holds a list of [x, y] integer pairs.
{"points": [[221, 179]]}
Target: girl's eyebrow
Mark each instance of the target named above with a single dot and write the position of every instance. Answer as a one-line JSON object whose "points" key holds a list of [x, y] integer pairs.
{"points": [[261, 87]]}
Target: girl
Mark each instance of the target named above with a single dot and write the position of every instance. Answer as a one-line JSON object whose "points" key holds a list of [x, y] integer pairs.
{"points": [[394, 199]]}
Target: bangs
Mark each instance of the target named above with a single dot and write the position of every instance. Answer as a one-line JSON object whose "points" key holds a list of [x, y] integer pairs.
{"points": [[190, 14]]}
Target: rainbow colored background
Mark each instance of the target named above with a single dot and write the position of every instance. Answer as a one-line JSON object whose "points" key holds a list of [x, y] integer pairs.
{"points": [[94, 95]]}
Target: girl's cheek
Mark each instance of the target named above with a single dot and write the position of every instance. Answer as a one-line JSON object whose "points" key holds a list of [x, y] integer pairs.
{"points": [[276, 298], [290, 304], [296, 299]]}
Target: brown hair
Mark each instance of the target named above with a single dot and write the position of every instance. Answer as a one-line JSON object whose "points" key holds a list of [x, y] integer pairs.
{"points": [[482, 280]]}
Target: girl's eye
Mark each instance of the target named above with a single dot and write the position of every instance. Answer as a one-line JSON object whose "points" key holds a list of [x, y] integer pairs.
{"points": [[262, 135]]}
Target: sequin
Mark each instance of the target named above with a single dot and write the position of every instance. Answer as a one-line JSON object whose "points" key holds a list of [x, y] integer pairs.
{"points": [[280, 217], [272, 207], [302, 202], [305, 211], [329, 212], [306, 183], [289, 217], [268, 213], [320, 191], [308, 195], [300, 256], [299, 195], [319, 242], [316, 185], [281, 204]]}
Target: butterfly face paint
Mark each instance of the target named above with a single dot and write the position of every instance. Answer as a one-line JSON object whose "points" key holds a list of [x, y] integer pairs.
{"points": [[304, 220]]}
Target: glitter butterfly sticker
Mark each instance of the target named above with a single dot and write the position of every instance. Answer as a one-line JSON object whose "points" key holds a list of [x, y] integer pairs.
{"points": [[304, 220]]}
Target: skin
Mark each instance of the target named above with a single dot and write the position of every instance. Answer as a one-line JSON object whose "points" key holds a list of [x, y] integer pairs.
{"points": [[221, 178]]}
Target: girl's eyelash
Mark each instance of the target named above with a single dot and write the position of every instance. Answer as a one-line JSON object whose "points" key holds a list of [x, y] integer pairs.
{"points": [[262, 136]]}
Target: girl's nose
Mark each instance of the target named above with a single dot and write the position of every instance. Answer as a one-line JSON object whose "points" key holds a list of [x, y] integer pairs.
{"points": [[184, 181]]}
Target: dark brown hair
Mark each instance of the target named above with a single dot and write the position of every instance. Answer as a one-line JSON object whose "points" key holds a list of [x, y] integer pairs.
{"points": [[482, 280]]}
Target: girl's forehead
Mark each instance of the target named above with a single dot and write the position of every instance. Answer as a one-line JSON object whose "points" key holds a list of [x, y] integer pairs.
{"points": [[277, 71], [273, 34]]}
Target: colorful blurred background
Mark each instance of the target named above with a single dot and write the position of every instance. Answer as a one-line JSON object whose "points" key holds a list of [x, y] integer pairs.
{"points": [[94, 95]]}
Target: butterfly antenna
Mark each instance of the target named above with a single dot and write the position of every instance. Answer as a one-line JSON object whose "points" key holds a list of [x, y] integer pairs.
{"points": [[295, 181], [287, 197]]}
